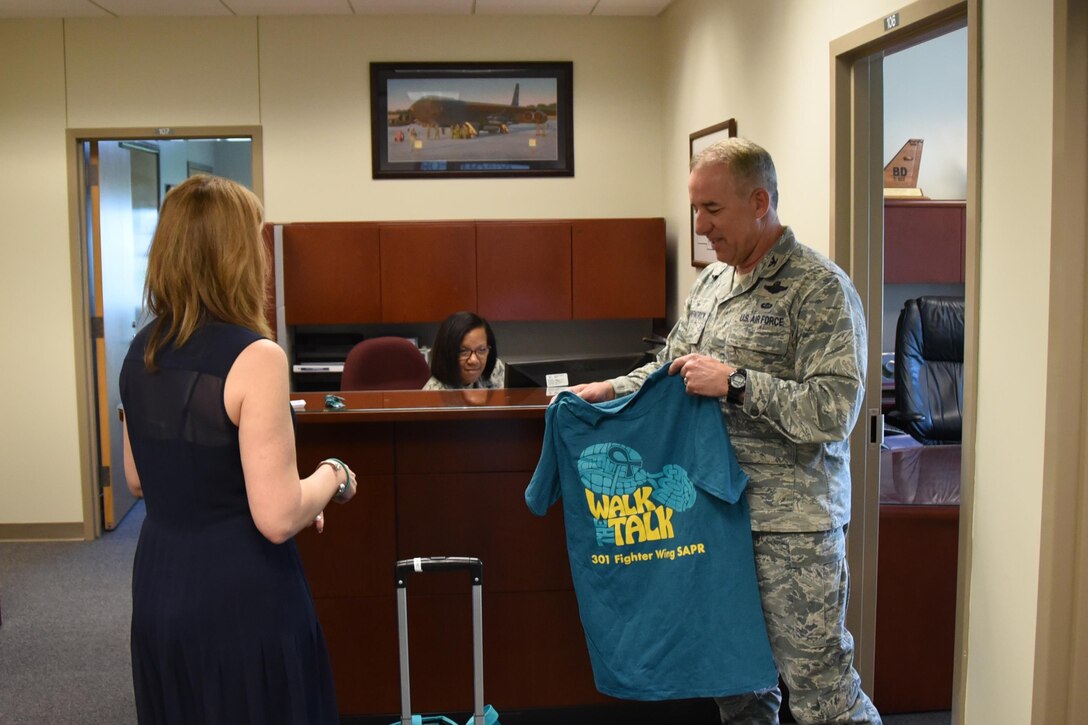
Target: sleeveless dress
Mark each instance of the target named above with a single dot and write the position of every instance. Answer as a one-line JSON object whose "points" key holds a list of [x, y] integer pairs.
{"points": [[223, 623]]}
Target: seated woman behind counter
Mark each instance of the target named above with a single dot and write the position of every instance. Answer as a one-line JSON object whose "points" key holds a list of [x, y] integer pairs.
{"points": [[464, 355]]}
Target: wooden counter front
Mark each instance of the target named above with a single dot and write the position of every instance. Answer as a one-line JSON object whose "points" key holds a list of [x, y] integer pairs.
{"points": [[916, 590], [442, 473]]}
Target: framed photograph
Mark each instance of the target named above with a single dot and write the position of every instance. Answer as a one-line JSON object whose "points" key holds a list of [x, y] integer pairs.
{"points": [[702, 253], [434, 120]]}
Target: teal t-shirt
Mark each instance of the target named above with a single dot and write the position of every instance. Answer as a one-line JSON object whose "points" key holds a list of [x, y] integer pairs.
{"points": [[659, 540]]}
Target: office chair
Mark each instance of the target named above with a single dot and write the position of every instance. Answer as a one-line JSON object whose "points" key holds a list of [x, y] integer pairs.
{"points": [[929, 370], [385, 363]]}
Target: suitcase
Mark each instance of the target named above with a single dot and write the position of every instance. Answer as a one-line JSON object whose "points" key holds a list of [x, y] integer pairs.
{"points": [[481, 715]]}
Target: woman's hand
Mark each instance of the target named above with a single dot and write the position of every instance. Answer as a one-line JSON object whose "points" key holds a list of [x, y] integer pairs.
{"points": [[350, 489]]}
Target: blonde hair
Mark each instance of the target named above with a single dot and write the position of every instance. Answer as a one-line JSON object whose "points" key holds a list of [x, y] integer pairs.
{"points": [[208, 261], [750, 164]]}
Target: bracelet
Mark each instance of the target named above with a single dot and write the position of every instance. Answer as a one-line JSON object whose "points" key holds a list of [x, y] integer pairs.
{"points": [[339, 465]]}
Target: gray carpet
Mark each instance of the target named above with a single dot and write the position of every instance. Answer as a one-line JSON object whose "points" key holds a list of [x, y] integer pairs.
{"points": [[64, 638]]}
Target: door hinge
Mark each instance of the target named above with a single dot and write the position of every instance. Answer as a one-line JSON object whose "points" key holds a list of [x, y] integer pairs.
{"points": [[104, 480], [98, 328]]}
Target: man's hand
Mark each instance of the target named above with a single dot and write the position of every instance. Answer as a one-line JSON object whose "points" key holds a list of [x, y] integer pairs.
{"points": [[594, 392], [702, 375]]}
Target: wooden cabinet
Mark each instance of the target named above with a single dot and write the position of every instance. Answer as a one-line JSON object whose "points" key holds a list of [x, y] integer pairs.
{"points": [[330, 273], [924, 241], [350, 565], [268, 236], [915, 652], [428, 270], [523, 270], [437, 477], [410, 272], [444, 487], [618, 268]]}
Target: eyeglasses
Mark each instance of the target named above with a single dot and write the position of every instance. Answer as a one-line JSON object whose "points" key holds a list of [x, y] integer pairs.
{"points": [[480, 352]]}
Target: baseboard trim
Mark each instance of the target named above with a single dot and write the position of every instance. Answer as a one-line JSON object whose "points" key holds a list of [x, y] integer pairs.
{"points": [[60, 531]]}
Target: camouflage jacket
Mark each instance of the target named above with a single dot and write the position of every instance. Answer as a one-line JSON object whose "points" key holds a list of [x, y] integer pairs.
{"points": [[796, 324]]}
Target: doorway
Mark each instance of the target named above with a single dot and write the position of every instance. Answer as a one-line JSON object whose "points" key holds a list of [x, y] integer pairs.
{"points": [[122, 179], [865, 134], [923, 300]]}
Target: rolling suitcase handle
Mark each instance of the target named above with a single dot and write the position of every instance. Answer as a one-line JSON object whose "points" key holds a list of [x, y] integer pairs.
{"points": [[404, 569]]}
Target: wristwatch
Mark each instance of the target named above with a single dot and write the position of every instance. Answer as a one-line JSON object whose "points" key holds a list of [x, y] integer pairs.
{"points": [[738, 380]]}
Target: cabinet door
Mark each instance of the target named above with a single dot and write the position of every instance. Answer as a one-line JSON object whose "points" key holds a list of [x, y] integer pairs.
{"points": [[428, 270], [923, 241], [618, 268], [331, 273], [523, 270]]}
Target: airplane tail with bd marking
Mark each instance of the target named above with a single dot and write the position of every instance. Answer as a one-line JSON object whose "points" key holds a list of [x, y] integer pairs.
{"points": [[901, 173], [902, 170]]}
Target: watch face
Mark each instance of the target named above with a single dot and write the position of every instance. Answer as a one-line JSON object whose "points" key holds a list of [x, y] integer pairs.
{"points": [[738, 379]]}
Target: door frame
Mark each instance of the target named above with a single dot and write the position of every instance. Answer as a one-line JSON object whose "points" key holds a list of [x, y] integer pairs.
{"points": [[87, 413], [856, 221], [1061, 657]]}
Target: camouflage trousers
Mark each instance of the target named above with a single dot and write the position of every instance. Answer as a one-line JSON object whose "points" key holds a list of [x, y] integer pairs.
{"points": [[804, 583]]}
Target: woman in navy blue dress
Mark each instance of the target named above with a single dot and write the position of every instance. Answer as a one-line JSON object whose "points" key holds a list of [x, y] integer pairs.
{"points": [[223, 624]]}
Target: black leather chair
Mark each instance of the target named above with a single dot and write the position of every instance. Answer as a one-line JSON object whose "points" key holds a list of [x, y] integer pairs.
{"points": [[929, 370]]}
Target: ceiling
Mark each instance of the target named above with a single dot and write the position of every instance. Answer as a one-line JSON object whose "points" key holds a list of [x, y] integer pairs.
{"points": [[168, 8]]}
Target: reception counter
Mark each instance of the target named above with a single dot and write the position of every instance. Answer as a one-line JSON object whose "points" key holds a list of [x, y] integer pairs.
{"points": [[442, 473]]}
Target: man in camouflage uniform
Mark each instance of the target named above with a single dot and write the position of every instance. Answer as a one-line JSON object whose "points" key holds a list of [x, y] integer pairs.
{"points": [[776, 331]]}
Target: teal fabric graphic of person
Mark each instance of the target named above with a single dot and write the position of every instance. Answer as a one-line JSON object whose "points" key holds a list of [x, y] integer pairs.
{"points": [[615, 472]]}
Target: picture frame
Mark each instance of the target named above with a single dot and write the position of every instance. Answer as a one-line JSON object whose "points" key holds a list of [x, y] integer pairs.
{"points": [[702, 253], [464, 120]]}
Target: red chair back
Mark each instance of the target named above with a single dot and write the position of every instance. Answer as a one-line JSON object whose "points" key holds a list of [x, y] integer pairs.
{"points": [[385, 363]]}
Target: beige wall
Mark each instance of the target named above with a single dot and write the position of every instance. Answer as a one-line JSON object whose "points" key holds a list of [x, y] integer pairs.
{"points": [[162, 72], [315, 113], [766, 65], [40, 475], [1014, 303], [729, 59], [305, 81]]}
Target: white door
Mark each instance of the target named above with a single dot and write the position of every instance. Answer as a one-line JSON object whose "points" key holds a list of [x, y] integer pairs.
{"points": [[120, 237]]}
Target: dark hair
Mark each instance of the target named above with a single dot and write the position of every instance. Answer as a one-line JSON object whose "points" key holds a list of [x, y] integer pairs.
{"points": [[445, 365]]}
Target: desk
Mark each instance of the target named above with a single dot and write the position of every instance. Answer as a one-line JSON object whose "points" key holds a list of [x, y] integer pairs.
{"points": [[916, 580], [442, 473]]}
